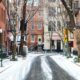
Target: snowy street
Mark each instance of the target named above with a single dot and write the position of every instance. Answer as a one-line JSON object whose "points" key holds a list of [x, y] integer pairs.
{"points": [[41, 67], [39, 39], [44, 68]]}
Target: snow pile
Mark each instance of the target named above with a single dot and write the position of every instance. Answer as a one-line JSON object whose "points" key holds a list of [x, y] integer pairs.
{"points": [[18, 69], [27, 65], [68, 66], [5, 64]]}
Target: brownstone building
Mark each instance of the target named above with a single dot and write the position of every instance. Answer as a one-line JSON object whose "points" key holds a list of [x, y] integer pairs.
{"points": [[35, 26], [2, 23]]}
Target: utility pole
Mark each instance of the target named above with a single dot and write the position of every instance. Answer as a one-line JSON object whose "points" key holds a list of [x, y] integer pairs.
{"points": [[22, 26]]}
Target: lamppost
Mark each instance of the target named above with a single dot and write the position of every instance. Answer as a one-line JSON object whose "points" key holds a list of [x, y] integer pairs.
{"points": [[1, 47]]}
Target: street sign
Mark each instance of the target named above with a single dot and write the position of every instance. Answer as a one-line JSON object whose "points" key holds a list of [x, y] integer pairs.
{"points": [[65, 40]]}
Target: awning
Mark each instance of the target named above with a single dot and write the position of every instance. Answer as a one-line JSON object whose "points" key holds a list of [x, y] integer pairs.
{"points": [[56, 36]]}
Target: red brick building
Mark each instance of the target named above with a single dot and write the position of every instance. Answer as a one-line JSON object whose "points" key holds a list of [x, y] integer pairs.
{"points": [[35, 28], [2, 23]]}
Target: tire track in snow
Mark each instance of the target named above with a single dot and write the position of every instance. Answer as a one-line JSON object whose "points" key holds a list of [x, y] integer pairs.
{"points": [[35, 71], [57, 72], [46, 68]]}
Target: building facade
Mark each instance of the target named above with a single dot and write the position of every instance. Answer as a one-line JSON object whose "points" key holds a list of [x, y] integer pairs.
{"points": [[2, 25], [76, 8], [52, 25], [35, 28]]}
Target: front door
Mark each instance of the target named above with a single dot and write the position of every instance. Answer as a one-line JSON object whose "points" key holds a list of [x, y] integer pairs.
{"points": [[58, 45]]}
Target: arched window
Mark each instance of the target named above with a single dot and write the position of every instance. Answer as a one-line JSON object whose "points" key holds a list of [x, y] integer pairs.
{"points": [[51, 26]]}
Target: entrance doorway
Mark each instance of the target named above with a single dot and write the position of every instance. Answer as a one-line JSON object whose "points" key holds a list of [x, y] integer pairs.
{"points": [[58, 45]]}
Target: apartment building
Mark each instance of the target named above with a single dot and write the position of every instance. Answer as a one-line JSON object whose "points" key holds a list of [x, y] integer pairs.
{"points": [[52, 25], [2, 24], [76, 8]]}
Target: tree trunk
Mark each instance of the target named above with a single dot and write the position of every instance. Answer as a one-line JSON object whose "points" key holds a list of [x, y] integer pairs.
{"points": [[77, 32]]}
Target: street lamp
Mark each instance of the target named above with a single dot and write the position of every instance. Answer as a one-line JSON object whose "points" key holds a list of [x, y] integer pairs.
{"points": [[1, 47]]}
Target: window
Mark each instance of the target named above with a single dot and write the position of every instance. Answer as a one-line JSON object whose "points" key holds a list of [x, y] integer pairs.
{"points": [[59, 25], [51, 0], [36, 2], [58, 10], [32, 38], [32, 26], [71, 36], [40, 25], [76, 4], [51, 26], [51, 11], [52, 42], [29, 2]]}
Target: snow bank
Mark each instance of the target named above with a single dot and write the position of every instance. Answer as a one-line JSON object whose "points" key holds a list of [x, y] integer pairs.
{"points": [[68, 66], [18, 69]]}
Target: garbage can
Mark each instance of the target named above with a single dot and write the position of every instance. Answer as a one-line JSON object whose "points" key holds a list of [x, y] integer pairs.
{"points": [[25, 49], [75, 52]]}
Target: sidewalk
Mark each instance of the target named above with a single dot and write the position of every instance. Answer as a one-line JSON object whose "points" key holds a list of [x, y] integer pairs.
{"points": [[16, 70], [6, 63]]}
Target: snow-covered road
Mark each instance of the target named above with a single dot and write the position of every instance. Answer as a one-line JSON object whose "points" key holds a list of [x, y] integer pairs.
{"points": [[45, 68], [41, 67]]}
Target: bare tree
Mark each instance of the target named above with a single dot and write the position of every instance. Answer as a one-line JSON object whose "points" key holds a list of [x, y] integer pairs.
{"points": [[27, 14], [69, 8]]}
